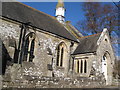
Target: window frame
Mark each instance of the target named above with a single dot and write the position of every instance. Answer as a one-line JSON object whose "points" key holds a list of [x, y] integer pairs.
{"points": [[82, 68], [28, 46]]}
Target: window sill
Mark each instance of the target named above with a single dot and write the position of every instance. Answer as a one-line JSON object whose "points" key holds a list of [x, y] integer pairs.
{"points": [[60, 67]]}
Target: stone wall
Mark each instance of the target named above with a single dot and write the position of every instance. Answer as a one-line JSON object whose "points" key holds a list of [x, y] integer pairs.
{"points": [[45, 52], [106, 47], [94, 60], [38, 73], [50, 82], [30, 74], [25, 77]]}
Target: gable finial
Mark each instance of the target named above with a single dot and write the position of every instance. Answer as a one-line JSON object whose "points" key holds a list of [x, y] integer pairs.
{"points": [[105, 29], [102, 34], [60, 3]]}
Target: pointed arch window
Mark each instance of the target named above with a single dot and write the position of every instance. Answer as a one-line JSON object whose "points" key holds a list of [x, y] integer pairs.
{"points": [[29, 47], [61, 50]]}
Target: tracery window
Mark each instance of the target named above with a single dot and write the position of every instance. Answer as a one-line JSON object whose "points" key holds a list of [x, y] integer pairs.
{"points": [[29, 47]]}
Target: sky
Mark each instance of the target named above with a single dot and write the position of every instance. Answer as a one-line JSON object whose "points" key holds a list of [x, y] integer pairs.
{"points": [[74, 11], [67, 0]]}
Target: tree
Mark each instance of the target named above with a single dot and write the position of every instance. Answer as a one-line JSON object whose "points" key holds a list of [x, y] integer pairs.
{"points": [[97, 16]]}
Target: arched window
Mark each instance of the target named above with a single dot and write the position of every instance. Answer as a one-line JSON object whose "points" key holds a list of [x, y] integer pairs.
{"points": [[85, 66], [29, 47], [61, 51]]}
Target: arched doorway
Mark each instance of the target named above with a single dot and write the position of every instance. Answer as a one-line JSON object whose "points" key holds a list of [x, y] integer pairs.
{"points": [[104, 65], [107, 67]]}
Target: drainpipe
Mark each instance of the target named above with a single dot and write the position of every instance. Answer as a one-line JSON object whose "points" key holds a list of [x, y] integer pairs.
{"points": [[17, 50]]}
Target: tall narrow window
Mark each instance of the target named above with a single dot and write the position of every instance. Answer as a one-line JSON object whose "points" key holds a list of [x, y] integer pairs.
{"points": [[78, 66], [85, 66], [32, 51], [62, 51], [81, 66], [29, 47], [26, 49], [58, 52]]}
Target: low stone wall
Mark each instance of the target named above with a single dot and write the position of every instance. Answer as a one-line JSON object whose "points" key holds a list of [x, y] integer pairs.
{"points": [[28, 77], [54, 82]]}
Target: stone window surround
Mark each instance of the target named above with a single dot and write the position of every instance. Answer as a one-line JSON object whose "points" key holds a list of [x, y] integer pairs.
{"points": [[63, 48], [31, 38], [60, 55], [80, 65]]}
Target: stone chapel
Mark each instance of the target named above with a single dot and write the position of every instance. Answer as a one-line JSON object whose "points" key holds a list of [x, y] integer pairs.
{"points": [[35, 44]]}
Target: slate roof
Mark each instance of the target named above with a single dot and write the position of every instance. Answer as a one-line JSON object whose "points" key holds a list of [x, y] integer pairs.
{"points": [[88, 44], [23, 13]]}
